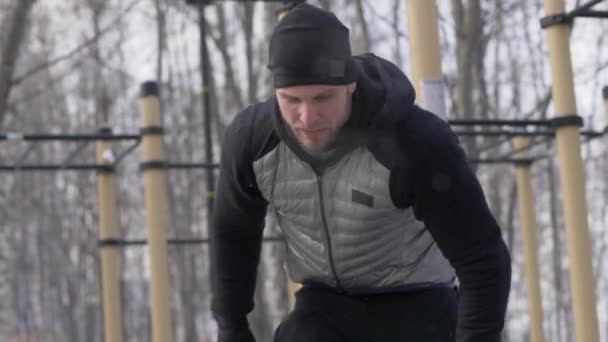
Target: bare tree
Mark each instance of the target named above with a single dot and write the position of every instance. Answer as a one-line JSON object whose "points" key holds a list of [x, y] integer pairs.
{"points": [[470, 53], [161, 38], [396, 24], [221, 39], [10, 51], [247, 16], [362, 24]]}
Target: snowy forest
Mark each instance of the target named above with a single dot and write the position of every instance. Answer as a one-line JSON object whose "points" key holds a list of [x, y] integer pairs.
{"points": [[74, 66]]}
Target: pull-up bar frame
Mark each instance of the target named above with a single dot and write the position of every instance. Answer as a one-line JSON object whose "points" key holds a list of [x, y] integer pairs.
{"points": [[85, 139]]}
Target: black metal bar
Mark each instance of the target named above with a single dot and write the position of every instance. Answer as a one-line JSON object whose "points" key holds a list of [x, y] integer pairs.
{"points": [[503, 160], [567, 120], [128, 150], [583, 8], [590, 135], [593, 14], [509, 133], [180, 165], [67, 137], [57, 167], [508, 122], [152, 130], [594, 134], [141, 242], [24, 155], [527, 147], [205, 241], [75, 153], [153, 165], [504, 133], [95, 167], [555, 19]]}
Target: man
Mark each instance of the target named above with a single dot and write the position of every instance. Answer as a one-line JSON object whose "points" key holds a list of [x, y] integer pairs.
{"points": [[378, 207]]}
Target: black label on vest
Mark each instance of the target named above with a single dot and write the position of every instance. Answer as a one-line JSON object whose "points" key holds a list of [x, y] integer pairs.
{"points": [[362, 198]]}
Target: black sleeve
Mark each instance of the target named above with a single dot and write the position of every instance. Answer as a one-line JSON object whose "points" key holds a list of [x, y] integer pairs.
{"points": [[237, 226], [450, 201]]}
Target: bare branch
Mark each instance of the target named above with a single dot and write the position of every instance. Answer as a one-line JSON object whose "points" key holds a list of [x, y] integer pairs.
{"points": [[76, 50], [221, 44], [10, 51]]}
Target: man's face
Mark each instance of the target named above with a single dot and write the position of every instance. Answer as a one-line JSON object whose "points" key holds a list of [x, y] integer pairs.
{"points": [[315, 113]]}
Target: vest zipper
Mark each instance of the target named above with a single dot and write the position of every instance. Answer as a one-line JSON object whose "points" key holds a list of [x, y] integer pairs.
{"points": [[326, 228]]}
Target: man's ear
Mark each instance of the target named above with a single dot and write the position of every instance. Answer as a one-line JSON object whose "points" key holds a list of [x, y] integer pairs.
{"points": [[351, 87]]}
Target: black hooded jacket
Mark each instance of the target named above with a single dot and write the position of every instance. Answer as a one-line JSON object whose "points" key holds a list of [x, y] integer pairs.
{"points": [[428, 173]]}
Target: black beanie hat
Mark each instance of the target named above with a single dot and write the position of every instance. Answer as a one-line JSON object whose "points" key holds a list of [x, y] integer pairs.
{"points": [[310, 46]]}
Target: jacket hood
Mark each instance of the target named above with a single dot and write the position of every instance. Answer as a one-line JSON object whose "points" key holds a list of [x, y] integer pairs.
{"points": [[383, 93]]}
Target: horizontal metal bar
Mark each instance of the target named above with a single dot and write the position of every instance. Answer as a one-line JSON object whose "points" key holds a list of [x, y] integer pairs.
{"points": [[24, 155], [508, 133], [179, 165], [75, 153], [583, 8], [503, 160], [507, 122], [67, 137], [593, 14], [531, 143], [141, 242], [56, 167], [595, 134], [98, 167], [124, 153]]}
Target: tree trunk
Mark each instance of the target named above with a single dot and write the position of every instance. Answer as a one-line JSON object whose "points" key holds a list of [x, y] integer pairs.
{"points": [[362, 24], [557, 252], [396, 26], [469, 53], [233, 91], [247, 20], [10, 52], [161, 39]]}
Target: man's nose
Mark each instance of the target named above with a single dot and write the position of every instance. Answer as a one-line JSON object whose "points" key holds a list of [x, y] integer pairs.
{"points": [[308, 114]]}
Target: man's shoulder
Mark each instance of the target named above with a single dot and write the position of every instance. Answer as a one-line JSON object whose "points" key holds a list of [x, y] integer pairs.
{"points": [[253, 116], [419, 133], [250, 131], [423, 125]]}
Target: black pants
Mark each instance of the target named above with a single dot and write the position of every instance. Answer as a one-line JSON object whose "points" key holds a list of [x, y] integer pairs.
{"points": [[322, 315]]}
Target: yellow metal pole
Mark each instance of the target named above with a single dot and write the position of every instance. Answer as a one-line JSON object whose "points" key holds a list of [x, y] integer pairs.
{"points": [[110, 256], [529, 231], [572, 179], [156, 204], [426, 55]]}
